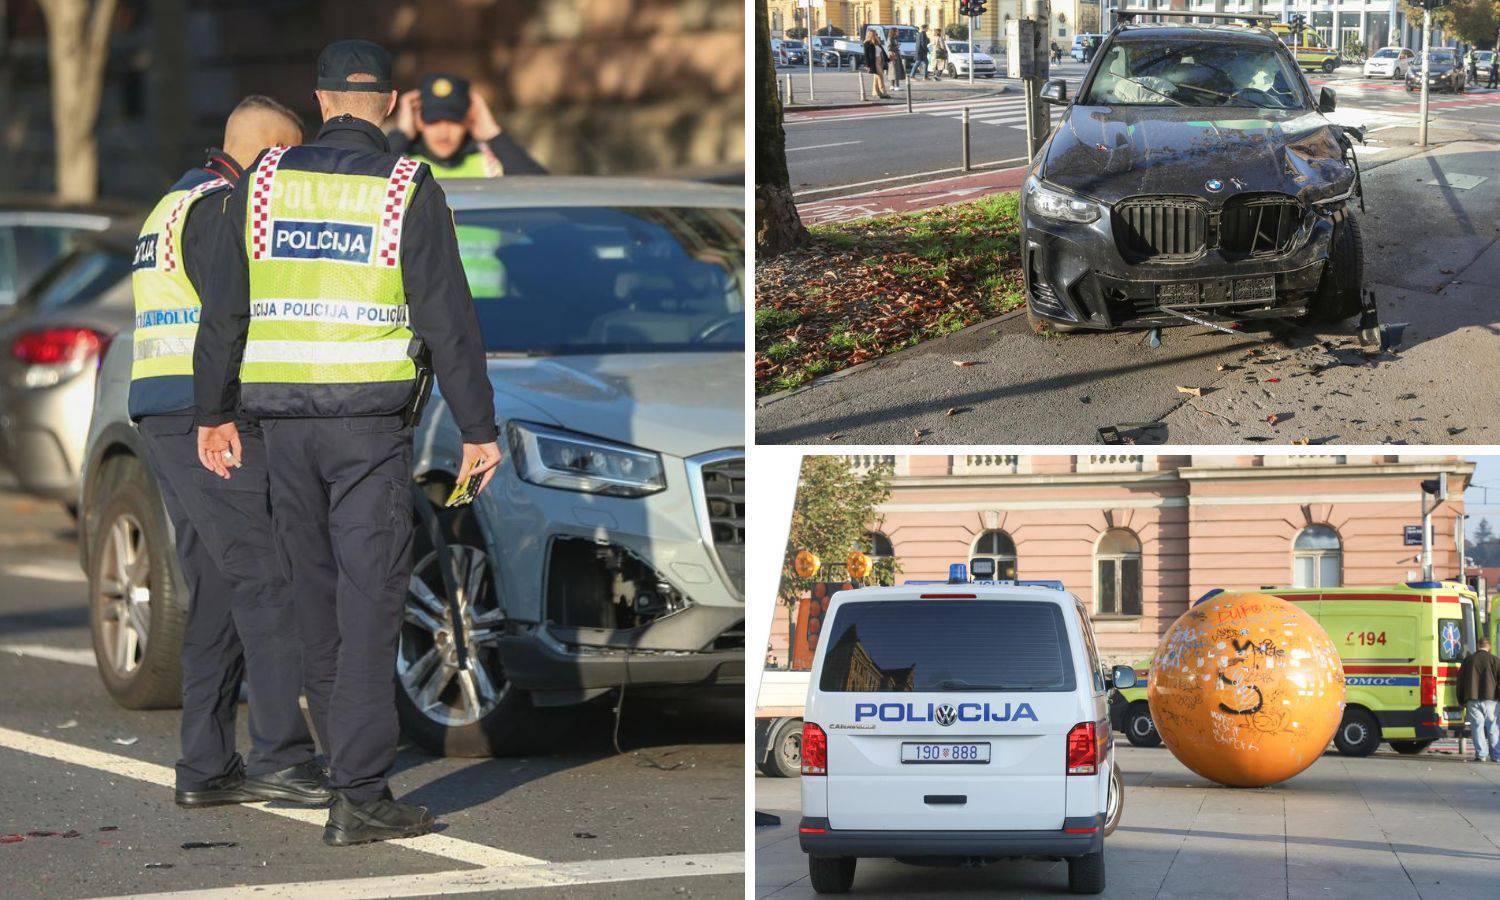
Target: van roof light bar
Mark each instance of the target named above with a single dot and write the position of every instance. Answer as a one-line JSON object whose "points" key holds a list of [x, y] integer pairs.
{"points": [[1126, 15]]}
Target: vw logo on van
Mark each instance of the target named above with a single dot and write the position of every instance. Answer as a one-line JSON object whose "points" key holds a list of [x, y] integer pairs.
{"points": [[946, 715]]}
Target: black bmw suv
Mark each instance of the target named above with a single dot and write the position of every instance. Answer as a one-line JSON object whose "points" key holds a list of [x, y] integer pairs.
{"points": [[1194, 177]]}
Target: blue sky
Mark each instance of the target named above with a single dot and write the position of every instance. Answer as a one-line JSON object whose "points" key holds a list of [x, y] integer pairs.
{"points": [[1486, 472]]}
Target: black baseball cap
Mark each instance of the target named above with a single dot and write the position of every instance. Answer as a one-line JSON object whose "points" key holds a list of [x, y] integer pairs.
{"points": [[341, 59], [445, 98]]}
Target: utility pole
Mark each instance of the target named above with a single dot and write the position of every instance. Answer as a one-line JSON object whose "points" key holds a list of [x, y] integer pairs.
{"points": [[972, 9], [1437, 489], [1038, 117], [1426, 36]]}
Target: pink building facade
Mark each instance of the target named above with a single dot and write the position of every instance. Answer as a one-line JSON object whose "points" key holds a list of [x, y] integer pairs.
{"points": [[1138, 537]]}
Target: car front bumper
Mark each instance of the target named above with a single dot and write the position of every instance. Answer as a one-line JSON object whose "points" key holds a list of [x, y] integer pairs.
{"points": [[1077, 277], [818, 839]]}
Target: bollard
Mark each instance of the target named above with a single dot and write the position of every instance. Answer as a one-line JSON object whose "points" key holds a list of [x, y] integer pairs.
{"points": [[861, 77], [791, 97], [966, 139], [908, 95]]}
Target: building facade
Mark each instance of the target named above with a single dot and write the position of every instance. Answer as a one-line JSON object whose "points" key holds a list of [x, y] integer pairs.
{"points": [[1138, 537]]}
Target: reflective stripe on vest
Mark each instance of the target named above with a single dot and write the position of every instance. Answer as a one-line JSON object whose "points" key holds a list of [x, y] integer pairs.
{"points": [[327, 304], [479, 164], [166, 305]]}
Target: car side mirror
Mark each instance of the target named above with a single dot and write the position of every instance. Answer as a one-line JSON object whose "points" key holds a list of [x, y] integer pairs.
{"points": [[1122, 677], [1327, 99], [1055, 92]]}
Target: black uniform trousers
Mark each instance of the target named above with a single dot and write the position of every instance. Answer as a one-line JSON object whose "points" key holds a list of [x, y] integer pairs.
{"points": [[241, 623], [343, 520]]}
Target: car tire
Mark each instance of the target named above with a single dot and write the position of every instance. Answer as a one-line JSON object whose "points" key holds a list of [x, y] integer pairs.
{"points": [[1328, 67], [1358, 734], [952, 71], [1140, 730], [1340, 294], [1114, 807], [137, 641], [1086, 873], [1410, 748], [831, 874], [507, 722], [784, 754]]}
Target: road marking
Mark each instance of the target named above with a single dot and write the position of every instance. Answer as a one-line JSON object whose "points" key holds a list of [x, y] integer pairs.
{"points": [[842, 187], [473, 881], [62, 570], [822, 146], [56, 654], [163, 776]]}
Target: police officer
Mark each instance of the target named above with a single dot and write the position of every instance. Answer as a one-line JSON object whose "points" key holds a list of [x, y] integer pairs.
{"points": [[240, 618], [450, 127], [345, 261]]}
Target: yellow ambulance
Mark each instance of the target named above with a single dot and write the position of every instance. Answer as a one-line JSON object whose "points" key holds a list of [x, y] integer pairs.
{"points": [[1401, 646], [1309, 49]]}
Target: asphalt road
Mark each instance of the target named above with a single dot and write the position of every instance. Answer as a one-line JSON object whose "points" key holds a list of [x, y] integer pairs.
{"points": [[584, 822], [1431, 255], [1346, 829]]}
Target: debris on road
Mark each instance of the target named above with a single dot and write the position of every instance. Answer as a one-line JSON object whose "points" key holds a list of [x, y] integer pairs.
{"points": [[584, 834], [1190, 391], [158, 866], [206, 845], [11, 838], [71, 723], [963, 363], [1133, 433], [124, 741]]}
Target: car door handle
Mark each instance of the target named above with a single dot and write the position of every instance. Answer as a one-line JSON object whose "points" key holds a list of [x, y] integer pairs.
{"points": [[947, 799]]}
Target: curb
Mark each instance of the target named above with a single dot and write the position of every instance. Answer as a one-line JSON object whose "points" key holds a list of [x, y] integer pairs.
{"points": [[767, 399], [887, 104]]}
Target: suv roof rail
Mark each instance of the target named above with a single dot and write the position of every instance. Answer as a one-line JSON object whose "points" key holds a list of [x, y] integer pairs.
{"points": [[1125, 15], [1048, 583]]}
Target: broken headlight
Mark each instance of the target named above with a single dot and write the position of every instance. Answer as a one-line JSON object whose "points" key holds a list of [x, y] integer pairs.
{"points": [[1053, 204], [555, 458]]}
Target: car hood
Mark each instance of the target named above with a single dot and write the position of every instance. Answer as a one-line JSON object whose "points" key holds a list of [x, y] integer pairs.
{"points": [[1110, 153], [676, 403]]}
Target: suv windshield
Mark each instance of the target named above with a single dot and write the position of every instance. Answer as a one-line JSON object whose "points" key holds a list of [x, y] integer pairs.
{"points": [[606, 280], [947, 645], [1195, 73]]}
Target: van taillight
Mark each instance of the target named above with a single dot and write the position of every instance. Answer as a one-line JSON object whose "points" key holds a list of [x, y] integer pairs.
{"points": [[814, 750], [1429, 691], [1083, 750]]}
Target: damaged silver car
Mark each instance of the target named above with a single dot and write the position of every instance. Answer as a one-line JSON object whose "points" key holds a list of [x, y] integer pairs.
{"points": [[1194, 178]]}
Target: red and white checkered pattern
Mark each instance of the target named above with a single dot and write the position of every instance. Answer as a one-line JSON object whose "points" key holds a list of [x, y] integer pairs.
{"points": [[169, 249], [395, 210], [260, 203]]}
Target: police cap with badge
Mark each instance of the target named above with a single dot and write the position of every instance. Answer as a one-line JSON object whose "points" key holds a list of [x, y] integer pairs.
{"points": [[445, 98]]}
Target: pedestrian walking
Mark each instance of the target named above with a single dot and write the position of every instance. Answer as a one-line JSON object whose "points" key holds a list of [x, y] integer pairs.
{"points": [[898, 64], [1478, 690], [939, 54], [920, 63], [1056, 52], [1494, 71], [1473, 56], [240, 623], [451, 128], [347, 279], [875, 62]]}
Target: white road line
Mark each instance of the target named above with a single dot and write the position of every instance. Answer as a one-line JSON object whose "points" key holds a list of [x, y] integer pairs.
{"points": [[56, 654], [163, 776], [822, 146], [62, 570], [473, 881], [842, 187]]}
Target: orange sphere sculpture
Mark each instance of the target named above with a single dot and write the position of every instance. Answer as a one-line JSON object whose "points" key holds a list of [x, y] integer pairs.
{"points": [[1246, 689]]}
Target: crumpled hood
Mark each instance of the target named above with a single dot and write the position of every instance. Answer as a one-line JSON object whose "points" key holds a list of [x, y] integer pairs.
{"points": [[1110, 153], [680, 404]]}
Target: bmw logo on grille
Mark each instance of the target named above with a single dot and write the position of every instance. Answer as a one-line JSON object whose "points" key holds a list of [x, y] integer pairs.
{"points": [[946, 715], [1214, 185]]}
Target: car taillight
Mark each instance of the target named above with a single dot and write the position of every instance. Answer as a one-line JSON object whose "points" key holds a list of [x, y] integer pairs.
{"points": [[1429, 691], [56, 346], [1083, 750], [814, 750]]}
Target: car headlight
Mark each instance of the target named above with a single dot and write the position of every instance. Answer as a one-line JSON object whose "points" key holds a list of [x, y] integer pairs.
{"points": [[551, 457], [1051, 204]]}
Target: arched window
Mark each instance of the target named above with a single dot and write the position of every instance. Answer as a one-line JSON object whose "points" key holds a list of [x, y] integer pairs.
{"points": [[878, 546], [998, 546], [1317, 558], [1117, 574]]}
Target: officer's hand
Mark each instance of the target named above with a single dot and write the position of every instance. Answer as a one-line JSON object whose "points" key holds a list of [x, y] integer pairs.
{"points": [[219, 448], [481, 458], [406, 113], [482, 122]]}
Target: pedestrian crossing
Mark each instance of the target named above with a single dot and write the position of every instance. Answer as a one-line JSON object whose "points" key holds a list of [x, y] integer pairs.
{"points": [[1005, 111]]}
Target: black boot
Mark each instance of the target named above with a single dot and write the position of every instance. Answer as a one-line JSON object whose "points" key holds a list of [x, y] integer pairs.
{"points": [[221, 791], [305, 783], [356, 822]]}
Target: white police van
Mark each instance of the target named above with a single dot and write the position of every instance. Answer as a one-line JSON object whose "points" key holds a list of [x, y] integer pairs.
{"points": [[958, 722]]}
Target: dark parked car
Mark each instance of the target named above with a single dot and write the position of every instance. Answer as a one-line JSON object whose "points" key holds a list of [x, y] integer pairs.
{"points": [[1195, 173], [1443, 73]]}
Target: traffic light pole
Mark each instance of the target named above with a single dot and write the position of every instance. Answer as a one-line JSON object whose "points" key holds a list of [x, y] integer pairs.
{"points": [[811, 33], [971, 49], [1426, 36]]}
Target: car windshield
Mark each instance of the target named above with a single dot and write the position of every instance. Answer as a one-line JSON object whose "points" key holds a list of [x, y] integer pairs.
{"points": [[80, 277], [958, 46], [1195, 73], [1387, 53], [596, 279], [792, 45], [1440, 59]]}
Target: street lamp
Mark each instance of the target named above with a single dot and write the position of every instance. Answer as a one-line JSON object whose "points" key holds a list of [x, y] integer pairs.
{"points": [[1427, 6]]}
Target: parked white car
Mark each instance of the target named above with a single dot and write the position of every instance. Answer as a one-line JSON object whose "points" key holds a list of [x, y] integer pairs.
{"points": [[958, 61], [960, 719], [1390, 62]]}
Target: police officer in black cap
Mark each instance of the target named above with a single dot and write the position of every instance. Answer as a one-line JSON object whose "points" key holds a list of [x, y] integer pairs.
{"points": [[345, 264], [450, 127]]}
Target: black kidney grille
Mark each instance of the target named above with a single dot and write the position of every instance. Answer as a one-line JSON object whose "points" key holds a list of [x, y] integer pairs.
{"points": [[1161, 228], [1259, 224]]}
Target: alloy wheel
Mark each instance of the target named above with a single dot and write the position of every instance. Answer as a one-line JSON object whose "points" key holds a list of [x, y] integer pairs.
{"points": [[124, 597], [427, 663]]}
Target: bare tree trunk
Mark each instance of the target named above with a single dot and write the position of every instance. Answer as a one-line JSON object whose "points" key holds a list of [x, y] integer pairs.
{"points": [[777, 225], [77, 48]]}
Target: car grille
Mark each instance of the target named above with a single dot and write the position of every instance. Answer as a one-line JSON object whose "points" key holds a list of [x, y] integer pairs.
{"points": [[1161, 229], [1257, 225], [723, 490]]}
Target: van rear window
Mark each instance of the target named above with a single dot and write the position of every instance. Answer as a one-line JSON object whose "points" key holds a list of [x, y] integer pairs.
{"points": [[947, 645]]}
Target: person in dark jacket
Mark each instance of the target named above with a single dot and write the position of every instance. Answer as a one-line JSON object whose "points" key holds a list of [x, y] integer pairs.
{"points": [[1478, 689], [875, 62], [898, 65], [920, 65]]}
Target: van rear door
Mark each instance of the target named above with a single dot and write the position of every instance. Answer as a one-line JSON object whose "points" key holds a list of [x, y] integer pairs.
{"points": [[947, 714]]}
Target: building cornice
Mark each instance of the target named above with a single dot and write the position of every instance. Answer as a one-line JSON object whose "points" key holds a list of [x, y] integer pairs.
{"points": [[1346, 470], [987, 479]]}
